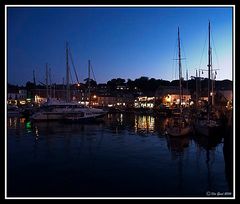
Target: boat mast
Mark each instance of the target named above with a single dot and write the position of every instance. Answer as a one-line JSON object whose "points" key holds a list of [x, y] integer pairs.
{"points": [[47, 80], [180, 71], [196, 88], [187, 79], [34, 79], [212, 77], [209, 68], [67, 75], [50, 81], [89, 83]]}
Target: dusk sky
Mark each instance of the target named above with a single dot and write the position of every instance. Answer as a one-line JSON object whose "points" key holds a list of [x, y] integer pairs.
{"points": [[120, 42]]}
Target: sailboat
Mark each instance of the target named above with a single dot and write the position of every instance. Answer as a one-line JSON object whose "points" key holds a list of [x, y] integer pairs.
{"points": [[66, 110], [87, 113], [178, 126], [207, 126]]}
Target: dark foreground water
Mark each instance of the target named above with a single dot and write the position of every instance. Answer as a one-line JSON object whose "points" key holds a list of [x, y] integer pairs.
{"points": [[124, 155]]}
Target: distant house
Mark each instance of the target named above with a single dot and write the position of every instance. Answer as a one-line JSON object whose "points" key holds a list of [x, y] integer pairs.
{"points": [[144, 102], [116, 100], [58, 91], [170, 95], [122, 87], [15, 94], [107, 101]]}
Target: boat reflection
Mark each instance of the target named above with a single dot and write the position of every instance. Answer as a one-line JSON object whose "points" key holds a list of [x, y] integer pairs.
{"points": [[228, 157], [177, 145], [54, 127], [207, 145]]}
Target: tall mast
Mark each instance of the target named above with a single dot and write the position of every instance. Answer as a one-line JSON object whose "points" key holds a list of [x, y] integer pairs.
{"points": [[34, 79], [34, 82], [196, 88], [50, 81], [212, 78], [67, 75], [187, 79], [63, 86], [209, 68], [180, 69], [89, 82], [200, 89], [47, 80]]}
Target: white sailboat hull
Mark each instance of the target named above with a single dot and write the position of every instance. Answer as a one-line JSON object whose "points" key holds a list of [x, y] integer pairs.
{"points": [[67, 115], [66, 111]]}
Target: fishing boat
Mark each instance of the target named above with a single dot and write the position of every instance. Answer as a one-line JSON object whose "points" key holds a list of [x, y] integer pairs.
{"points": [[177, 125]]}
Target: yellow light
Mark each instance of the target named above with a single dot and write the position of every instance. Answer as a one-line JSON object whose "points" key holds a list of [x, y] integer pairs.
{"points": [[78, 84], [94, 96], [168, 98]]}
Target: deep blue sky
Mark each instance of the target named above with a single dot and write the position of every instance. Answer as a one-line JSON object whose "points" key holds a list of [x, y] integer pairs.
{"points": [[120, 42]]}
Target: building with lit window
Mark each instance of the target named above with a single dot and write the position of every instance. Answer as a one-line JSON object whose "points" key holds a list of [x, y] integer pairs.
{"points": [[144, 102], [170, 96], [116, 100]]}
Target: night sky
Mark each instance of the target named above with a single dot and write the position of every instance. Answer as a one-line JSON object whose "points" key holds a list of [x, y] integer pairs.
{"points": [[120, 42]]}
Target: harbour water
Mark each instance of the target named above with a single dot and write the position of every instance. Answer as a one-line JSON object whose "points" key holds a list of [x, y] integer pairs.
{"points": [[123, 155]]}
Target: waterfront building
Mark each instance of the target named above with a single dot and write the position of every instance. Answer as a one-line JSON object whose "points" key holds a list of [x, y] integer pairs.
{"points": [[169, 96]]}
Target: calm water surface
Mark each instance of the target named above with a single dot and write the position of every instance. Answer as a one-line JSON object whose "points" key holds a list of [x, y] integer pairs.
{"points": [[122, 155]]}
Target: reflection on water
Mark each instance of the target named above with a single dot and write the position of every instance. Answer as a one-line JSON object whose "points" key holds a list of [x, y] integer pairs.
{"points": [[144, 123], [177, 145], [121, 155]]}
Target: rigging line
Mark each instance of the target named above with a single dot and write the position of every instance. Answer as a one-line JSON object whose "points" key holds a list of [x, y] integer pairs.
{"points": [[203, 51], [73, 65], [215, 50], [71, 75], [173, 62], [93, 73], [175, 69], [184, 55]]}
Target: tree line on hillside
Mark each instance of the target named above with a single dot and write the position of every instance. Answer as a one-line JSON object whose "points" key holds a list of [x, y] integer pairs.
{"points": [[143, 84]]}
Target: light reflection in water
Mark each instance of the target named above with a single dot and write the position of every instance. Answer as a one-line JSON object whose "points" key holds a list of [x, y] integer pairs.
{"points": [[120, 119], [144, 123], [29, 126], [177, 146], [12, 122], [22, 120], [15, 122], [36, 133]]}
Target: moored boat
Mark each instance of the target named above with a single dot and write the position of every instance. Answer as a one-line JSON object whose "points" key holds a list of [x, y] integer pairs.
{"points": [[177, 125], [59, 110]]}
